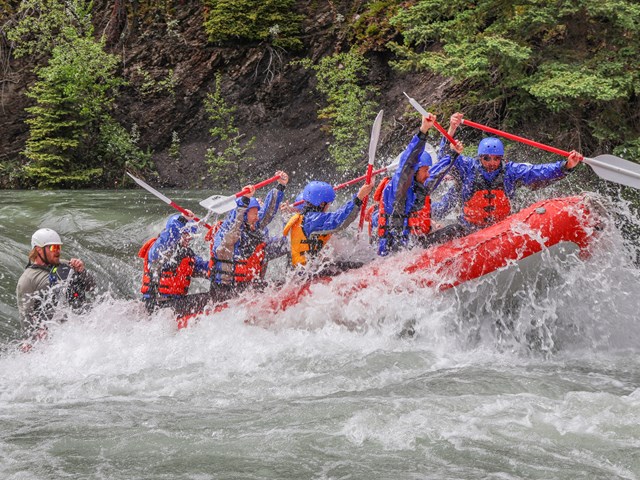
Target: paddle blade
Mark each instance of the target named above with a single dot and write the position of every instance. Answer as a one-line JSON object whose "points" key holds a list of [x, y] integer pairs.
{"points": [[150, 189], [219, 204], [616, 169], [375, 135]]}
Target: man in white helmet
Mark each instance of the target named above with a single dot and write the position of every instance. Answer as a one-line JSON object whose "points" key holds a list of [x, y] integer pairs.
{"points": [[45, 280]]}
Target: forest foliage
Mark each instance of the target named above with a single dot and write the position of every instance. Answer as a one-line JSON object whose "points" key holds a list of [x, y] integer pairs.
{"points": [[74, 140], [569, 64], [563, 68]]}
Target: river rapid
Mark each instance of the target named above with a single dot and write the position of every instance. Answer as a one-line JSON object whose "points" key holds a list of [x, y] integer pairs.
{"points": [[328, 389]]}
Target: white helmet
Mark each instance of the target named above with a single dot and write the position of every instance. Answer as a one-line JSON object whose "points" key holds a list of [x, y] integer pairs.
{"points": [[44, 237]]}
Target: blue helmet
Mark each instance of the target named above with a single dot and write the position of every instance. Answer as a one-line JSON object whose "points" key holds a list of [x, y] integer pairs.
{"points": [[253, 203], [426, 157], [317, 193], [178, 224], [298, 199], [490, 146]]}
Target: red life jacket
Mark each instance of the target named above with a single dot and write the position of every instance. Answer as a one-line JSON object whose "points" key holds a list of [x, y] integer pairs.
{"points": [[419, 221], [487, 205], [172, 281], [148, 285], [378, 197], [245, 269]]}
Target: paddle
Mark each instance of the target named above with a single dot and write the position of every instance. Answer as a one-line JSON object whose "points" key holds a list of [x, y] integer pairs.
{"points": [[609, 167], [166, 200], [221, 204], [424, 113], [373, 144], [389, 168]]}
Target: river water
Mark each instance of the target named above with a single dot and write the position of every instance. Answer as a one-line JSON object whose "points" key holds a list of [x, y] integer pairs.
{"points": [[329, 390]]}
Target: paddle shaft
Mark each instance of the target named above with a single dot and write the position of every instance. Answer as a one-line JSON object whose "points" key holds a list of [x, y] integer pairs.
{"points": [[366, 199], [516, 138], [424, 113], [264, 183], [351, 182], [625, 168], [166, 199]]}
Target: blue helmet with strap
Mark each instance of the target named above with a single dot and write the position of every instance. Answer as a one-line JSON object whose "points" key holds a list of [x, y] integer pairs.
{"points": [[253, 203], [426, 157], [490, 146], [316, 193], [178, 224]]}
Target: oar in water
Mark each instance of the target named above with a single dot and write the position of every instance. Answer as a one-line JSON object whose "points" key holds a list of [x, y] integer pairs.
{"points": [[373, 144], [609, 167], [222, 204], [389, 168], [166, 200]]}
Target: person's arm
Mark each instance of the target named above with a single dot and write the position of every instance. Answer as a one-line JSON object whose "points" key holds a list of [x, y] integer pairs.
{"points": [[272, 201], [321, 223], [448, 202], [201, 267], [536, 176], [226, 244], [444, 148], [29, 291], [277, 247], [445, 165], [403, 178]]}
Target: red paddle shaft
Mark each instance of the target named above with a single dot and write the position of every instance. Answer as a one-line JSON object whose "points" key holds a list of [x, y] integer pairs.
{"points": [[516, 138]]}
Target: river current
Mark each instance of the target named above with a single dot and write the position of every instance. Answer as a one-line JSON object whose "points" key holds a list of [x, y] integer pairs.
{"points": [[329, 389]]}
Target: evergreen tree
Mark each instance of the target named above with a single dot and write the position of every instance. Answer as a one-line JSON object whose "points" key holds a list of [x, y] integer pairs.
{"points": [[230, 158], [575, 60], [350, 109], [73, 93]]}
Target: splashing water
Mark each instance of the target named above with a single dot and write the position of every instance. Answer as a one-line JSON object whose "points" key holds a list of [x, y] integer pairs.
{"points": [[531, 372]]}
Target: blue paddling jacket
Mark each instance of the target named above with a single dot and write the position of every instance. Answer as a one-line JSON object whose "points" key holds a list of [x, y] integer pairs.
{"points": [[240, 253], [486, 197]]}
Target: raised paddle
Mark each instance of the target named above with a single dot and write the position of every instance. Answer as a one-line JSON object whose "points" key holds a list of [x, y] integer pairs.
{"points": [[609, 167], [424, 113], [389, 168], [221, 204], [166, 200], [373, 144]]}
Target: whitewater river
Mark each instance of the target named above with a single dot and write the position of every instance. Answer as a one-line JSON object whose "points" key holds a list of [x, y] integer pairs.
{"points": [[327, 390]]}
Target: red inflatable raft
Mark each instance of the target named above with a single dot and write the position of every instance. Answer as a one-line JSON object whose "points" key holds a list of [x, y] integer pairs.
{"points": [[545, 224]]}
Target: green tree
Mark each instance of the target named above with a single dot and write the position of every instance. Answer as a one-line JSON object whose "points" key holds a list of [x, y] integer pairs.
{"points": [[350, 110], [573, 60], [73, 141], [228, 161], [44, 24], [118, 150], [254, 20], [73, 94]]}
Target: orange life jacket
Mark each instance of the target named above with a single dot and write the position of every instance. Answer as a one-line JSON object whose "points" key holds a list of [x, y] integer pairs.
{"points": [[368, 218], [172, 281], [378, 197], [300, 244], [487, 205]]}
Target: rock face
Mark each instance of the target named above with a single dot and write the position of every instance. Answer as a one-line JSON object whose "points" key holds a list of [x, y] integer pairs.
{"points": [[171, 66]]}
